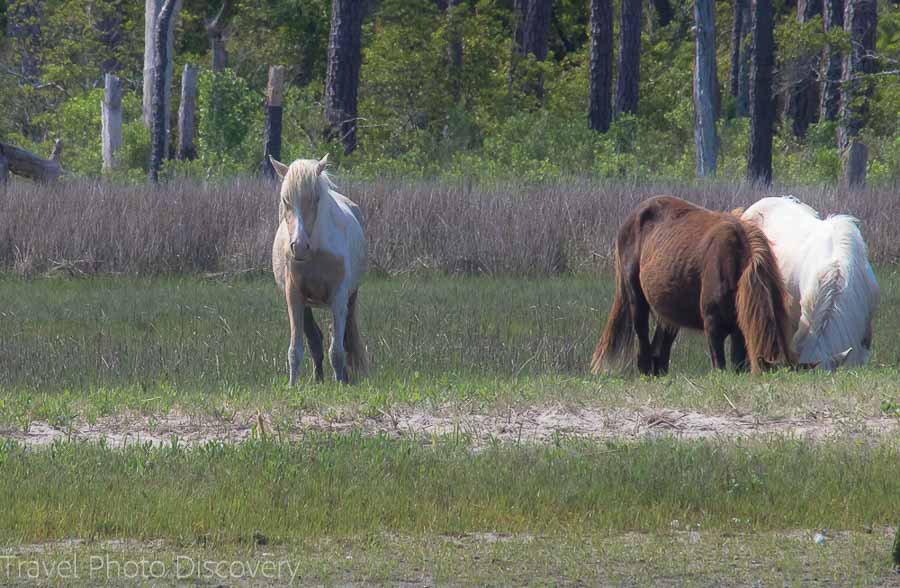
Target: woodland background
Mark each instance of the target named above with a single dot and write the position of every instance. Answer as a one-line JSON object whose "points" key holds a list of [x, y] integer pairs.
{"points": [[493, 111]]}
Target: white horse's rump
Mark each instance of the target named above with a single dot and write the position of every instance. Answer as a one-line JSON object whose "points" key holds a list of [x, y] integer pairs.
{"points": [[319, 258], [825, 267]]}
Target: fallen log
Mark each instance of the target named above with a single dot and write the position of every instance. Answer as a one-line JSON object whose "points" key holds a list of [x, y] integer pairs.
{"points": [[26, 164]]}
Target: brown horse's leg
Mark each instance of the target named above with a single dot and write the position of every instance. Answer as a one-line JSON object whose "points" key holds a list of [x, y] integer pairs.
{"points": [[715, 339], [662, 348], [739, 352], [314, 338]]}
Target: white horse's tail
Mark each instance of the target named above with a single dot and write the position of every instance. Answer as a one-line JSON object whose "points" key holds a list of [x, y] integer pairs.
{"points": [[839, 301]]}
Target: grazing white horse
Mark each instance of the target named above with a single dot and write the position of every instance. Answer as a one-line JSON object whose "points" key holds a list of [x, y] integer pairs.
{"points": [[825, 267], [319, 258]]}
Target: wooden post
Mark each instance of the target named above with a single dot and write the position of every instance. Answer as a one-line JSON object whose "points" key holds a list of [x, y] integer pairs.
{"points": [[272, 138], [186, 116], [160, 90], [706, 141], [27, 164], [111, 116]]}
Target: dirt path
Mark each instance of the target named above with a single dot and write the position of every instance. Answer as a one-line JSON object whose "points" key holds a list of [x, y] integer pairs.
{"points": [[532, 425]]}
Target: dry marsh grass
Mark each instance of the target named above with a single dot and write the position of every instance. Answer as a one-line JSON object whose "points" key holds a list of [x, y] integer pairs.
{"points": [[194, 227]]}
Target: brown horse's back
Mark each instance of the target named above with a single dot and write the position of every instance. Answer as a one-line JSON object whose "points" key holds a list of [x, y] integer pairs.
{"points": [[671, 240]]}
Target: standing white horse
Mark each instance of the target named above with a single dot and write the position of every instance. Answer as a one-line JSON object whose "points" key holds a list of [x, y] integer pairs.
{"points": [[319, 258], [825, 267]]}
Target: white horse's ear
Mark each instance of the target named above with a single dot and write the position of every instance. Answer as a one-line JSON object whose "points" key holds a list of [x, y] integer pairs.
{"points": [[279, 167], [320, 167], [839, 358]]}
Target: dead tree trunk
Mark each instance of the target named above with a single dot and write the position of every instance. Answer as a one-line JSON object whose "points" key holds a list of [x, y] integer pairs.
{"points": [[272, 138], [152, 9], [663, 11], [831, 86], [600, 95], [706, 142], [743, 95], [342, 76], [215, 31], [629, 60], [737, 30], [803, 90], [111, 119], [187, 113], [762, 102], [158, 130], [860, 22], [455, 14], [28, 165]]}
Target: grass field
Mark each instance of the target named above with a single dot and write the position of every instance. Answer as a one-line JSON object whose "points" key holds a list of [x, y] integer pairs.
{"points": [[457, 505]]}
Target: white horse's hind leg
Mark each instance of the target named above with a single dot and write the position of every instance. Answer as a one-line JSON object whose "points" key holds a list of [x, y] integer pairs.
{"points": [[339, 318]]}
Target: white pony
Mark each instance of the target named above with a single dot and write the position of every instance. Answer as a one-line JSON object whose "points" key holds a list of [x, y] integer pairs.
{"points": [[319, 258], [825, 267]]}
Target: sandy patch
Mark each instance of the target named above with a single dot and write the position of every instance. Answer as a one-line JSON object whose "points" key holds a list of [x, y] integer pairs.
{"points": [[531, 425]]}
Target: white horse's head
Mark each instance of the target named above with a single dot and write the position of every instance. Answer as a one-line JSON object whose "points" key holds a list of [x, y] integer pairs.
{"points": [[302, 185]]}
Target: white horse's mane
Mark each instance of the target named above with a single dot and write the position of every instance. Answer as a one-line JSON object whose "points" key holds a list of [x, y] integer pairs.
{"points": [[303, 180]]}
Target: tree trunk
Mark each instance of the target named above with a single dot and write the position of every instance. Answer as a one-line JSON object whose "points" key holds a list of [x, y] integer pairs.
{"points": [[215, 31], [705, 140], [4, 170], [831, 86], [629, 61], [111, 119], [455, 13], [532, 29], [600, 97], [762, 103], [109, 28], [159, 128], [743, 95], [860, 22], [272, 138], [803, 91], [152, 8], [187, 113], [737, 22], [663, 11], [342, 77], [28, 165]]}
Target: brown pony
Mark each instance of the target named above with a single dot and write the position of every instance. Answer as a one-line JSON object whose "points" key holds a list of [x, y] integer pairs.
{"points": [[697, 269]]}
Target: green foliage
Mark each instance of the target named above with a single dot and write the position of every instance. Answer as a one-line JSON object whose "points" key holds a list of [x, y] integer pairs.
{"points": [[230, 122]]}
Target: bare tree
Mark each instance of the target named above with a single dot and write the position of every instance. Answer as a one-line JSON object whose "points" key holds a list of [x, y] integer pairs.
{"points": [[600, 96], [860, 22], [342, 77], [831, 87], [158, 110], [762, 103], [152, 9], [272, 137], [743, 95], [215, 31], [111, 119], [629, 59], [187, 113], [532, 29], [706, 142], [803, 91]]}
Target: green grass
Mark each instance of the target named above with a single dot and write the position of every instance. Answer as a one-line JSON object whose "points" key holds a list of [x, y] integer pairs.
{"points": [[88, 348], [333, 486]]}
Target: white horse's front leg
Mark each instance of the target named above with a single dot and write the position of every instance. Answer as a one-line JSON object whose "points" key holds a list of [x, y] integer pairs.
{"points": [[295, 315], [339, 326]]}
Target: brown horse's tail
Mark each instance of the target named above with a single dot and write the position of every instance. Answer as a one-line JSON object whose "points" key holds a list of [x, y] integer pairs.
{"points": [[354, 348], [762, 305], [615, 343]]}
